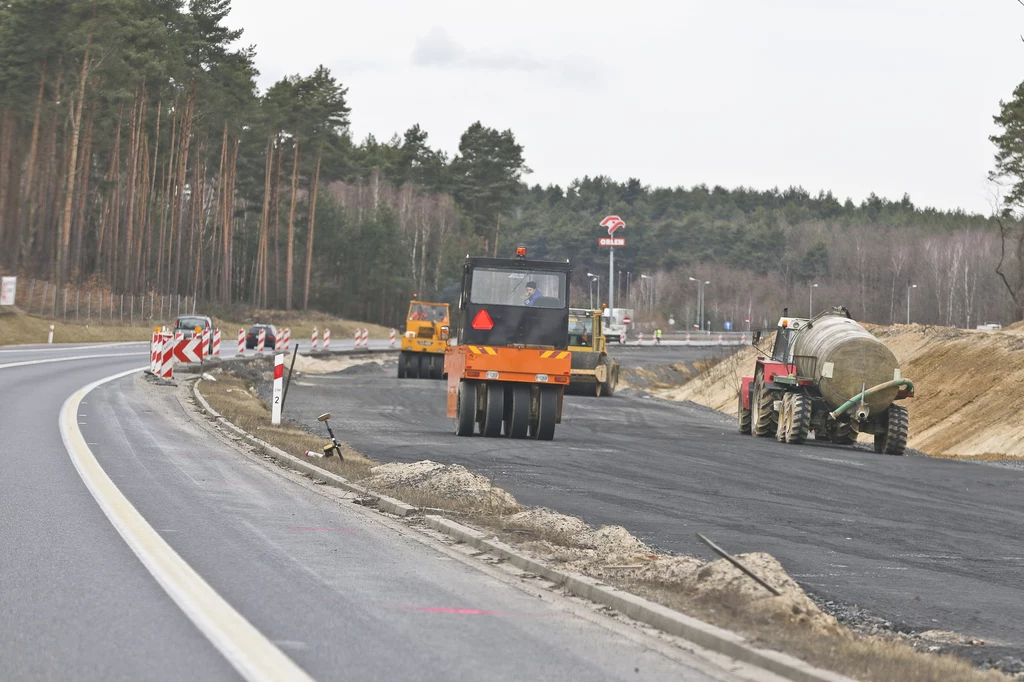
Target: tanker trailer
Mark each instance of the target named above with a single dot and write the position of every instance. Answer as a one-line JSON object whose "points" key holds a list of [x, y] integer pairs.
{"points": [[827, 376]]}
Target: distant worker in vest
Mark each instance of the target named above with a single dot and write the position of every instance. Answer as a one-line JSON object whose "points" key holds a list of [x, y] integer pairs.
{"points": [[657, 337], [532, 294]]}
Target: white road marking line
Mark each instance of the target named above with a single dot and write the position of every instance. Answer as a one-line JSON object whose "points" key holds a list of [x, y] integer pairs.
{"points": [[54, 349], [245, 647], [26, 363]]}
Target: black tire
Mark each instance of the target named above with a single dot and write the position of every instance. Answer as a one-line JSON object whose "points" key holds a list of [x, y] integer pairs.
{"points": [[494, 412], [465, 409], [782, 424], [743, 417], [436, 366], [423, 365], [401, 365], [547, 412], [764, 420], [517, 410], [613, 380], [412, 365], [894, 440], [798, 423]]}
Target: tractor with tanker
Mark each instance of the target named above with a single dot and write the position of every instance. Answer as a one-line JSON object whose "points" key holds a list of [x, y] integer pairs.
{"points": [[594, 372], [508, 373], [829, 376], [423, 349]]}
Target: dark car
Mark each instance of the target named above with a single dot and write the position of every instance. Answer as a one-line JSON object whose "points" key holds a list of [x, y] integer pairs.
{"points": [[252, 338], [186, 324]]}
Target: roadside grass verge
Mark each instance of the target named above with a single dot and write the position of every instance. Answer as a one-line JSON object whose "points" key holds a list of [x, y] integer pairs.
{"points": [[714, 592], [17, 327]]}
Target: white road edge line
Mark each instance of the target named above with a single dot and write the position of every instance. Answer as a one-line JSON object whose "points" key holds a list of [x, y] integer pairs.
{"points": [[54, 349], [26, 363], [253, 655]]}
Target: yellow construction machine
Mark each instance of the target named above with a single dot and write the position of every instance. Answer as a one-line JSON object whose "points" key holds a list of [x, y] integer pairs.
{"points": [[423, 349], [594, 372]]}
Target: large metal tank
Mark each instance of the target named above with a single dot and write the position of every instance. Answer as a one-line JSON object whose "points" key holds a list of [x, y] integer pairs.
{"points": [[843, 358]]}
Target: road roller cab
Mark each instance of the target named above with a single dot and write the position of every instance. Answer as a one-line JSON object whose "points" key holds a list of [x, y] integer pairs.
{"points": [[423, 348], [508, 373], [828, 376]]}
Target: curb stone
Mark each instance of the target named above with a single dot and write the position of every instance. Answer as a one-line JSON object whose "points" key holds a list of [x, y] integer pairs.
{"points": [[383, 502], [661, 617]]}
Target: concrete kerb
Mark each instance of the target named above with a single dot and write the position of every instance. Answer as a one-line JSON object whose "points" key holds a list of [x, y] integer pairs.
{"points": [[661, 617], [639, 609], [383, 502]]}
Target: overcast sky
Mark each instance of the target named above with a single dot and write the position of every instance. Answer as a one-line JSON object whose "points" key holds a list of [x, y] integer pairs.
{"points": [[889, 96]]}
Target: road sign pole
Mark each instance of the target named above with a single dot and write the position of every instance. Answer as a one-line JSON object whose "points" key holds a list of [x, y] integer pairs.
{"points": [[611, 278]]}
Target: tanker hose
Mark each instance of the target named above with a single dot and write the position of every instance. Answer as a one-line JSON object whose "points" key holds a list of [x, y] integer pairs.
{"points": [[899, 383]]}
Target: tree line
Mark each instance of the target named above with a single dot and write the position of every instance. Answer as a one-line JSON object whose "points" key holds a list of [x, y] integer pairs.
{"points": [[137, 153]]}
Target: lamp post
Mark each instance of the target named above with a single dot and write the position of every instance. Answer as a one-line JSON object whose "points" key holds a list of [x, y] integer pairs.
{"points": [[597, 278], [810, 303], [650, 292], [700, 300], [909, 287]]}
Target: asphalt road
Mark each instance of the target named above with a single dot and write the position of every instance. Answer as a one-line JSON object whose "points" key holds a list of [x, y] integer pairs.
{"points": [[923, 543], [332, 585]]}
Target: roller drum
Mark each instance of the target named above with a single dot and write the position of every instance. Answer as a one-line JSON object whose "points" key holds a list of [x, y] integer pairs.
{"points": [[843, 358]]}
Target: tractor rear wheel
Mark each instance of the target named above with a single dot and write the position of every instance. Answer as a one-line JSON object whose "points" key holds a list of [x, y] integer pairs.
{"points": [[494, 412], [465, 409], [894, 440], [764, 420], [743, 416], [543, 428], [517, 410], [401, 365], [799, 418]]}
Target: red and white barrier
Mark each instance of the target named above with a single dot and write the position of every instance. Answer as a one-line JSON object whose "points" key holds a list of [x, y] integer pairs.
{"points": [[391, 338], [719, 338], [287, 338], [178, 349], [241, 342], [261, 340], [216, 343], [356, 337], [364, 338], [206, 339], [49, 339], [327, 338], [640, 338], [622, 338], [313, 341], [687, 336], [166, 370]]}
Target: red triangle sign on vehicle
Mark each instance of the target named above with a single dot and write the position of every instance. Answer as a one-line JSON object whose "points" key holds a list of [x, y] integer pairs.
{"points": [[483, 321]]}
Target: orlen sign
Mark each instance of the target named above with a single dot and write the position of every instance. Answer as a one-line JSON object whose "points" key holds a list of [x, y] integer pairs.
{"points": [[611, 241]]}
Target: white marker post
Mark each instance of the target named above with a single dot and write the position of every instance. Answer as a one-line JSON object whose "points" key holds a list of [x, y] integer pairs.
{"points": [[49, 339], [275, 417]]}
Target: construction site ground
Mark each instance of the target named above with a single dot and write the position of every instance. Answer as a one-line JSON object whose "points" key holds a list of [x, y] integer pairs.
{"points": [[910, 546]]}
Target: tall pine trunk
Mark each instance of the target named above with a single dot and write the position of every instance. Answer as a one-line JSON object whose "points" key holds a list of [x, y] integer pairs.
{"points": [[291, 228], [312, 226], [69, 189]]}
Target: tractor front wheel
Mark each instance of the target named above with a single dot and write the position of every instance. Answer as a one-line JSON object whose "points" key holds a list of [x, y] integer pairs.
{"points": [[764, 420], [743, 416], [893, 440]]}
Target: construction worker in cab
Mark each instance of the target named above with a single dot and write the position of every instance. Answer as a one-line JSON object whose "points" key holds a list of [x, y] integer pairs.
{"points": [[532, 294]]}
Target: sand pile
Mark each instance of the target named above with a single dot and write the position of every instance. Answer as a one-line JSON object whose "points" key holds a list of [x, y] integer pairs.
{"points": [[451, 482], [327, 365]]}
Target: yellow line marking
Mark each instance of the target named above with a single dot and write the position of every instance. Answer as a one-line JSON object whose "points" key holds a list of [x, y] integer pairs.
{"points": [[245, 647]]}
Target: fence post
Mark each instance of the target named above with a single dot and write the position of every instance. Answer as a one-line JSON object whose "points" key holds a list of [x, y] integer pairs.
{"points": [[122, 310], [131, 311]]}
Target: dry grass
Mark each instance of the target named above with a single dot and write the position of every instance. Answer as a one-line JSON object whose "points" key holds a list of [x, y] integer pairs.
{"points": [[714, 592], [232, 398], [17, 327], [301, 323]]}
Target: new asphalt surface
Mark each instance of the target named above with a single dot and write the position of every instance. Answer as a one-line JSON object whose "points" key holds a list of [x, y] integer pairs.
{"points": [[333, 586], [915, 542]]}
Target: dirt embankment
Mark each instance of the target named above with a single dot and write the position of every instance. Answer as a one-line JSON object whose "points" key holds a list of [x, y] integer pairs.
{"points": [[969, 387]]}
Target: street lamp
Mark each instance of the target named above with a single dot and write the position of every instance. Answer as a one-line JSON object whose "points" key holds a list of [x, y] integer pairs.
{"points": [[650, 293], [593, 277], [909, 287], [700, 301], [810, 304]]}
